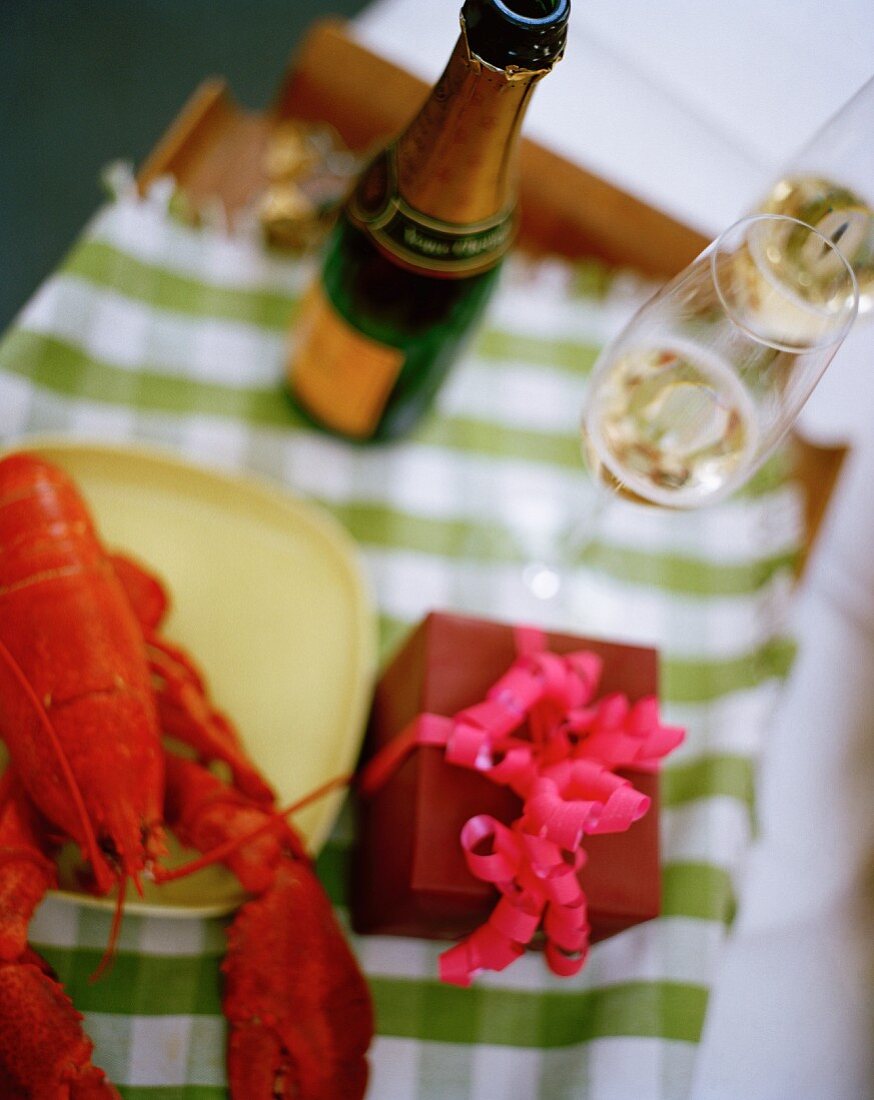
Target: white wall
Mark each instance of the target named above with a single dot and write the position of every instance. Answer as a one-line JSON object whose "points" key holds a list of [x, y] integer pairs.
{"points": [[690, 104]]}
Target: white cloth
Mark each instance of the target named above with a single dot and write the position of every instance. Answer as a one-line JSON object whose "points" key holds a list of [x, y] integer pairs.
{"points": [[792, 1013]]}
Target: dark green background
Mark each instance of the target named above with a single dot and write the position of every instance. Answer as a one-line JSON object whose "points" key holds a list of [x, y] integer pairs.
{"points": [[85, 82]]}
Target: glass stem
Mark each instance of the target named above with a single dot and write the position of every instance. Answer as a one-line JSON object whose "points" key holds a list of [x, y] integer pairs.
{"points": [[548, 574]]}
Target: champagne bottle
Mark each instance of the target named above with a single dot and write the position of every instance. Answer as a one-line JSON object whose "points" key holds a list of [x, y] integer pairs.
{"points": [[416, 251]]}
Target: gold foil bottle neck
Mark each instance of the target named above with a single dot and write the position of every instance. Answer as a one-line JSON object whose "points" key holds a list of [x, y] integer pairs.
{"points": [[456, 161]]}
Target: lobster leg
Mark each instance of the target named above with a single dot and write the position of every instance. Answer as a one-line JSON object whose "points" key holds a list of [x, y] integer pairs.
{"points": [[148, 598], [185, 712], [44, 1053], [184, 709], [204, 813], [297, 1004]]}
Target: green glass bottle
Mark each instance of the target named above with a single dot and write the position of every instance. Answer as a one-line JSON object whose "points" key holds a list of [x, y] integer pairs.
{"points": [[415, 255]]}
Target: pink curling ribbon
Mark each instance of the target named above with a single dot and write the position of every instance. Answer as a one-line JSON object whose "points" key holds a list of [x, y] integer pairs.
{"points": [[542, 732]]}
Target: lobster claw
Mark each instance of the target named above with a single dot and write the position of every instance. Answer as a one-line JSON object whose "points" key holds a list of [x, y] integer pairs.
{"points": [[26, 872], [298, 1007], [44, 1053]]}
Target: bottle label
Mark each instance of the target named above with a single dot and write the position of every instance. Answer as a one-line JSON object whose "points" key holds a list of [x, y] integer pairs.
{"points": [[340, 376], [441, 247], [421, 242]]}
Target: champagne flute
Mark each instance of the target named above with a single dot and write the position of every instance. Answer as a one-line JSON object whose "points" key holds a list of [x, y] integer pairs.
{"points": [[829, 184], [706, 379]]}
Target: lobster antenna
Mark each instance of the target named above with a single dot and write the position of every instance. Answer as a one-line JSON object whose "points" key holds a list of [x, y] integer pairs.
{"points": [[215, 855], [20, 681], [108, 956]]}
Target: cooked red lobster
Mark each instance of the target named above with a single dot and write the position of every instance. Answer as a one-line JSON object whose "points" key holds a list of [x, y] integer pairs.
{"points": [[88, 689]]}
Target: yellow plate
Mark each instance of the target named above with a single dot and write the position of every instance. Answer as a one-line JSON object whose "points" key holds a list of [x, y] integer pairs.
{"points": [[268, 596]]}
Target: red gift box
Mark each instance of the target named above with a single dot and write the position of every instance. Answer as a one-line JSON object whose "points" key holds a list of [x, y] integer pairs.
{"points": [[410, 876]]}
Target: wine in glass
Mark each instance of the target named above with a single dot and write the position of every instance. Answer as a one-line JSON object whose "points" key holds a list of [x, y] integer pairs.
{"points": [[711, 372], [829, 184]]}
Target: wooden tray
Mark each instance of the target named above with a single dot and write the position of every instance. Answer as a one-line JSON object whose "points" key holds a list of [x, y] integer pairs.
{"points": [[214, 149]]}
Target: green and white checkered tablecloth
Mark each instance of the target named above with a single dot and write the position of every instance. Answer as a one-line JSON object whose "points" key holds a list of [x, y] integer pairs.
{"points": [[161, 333]]}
